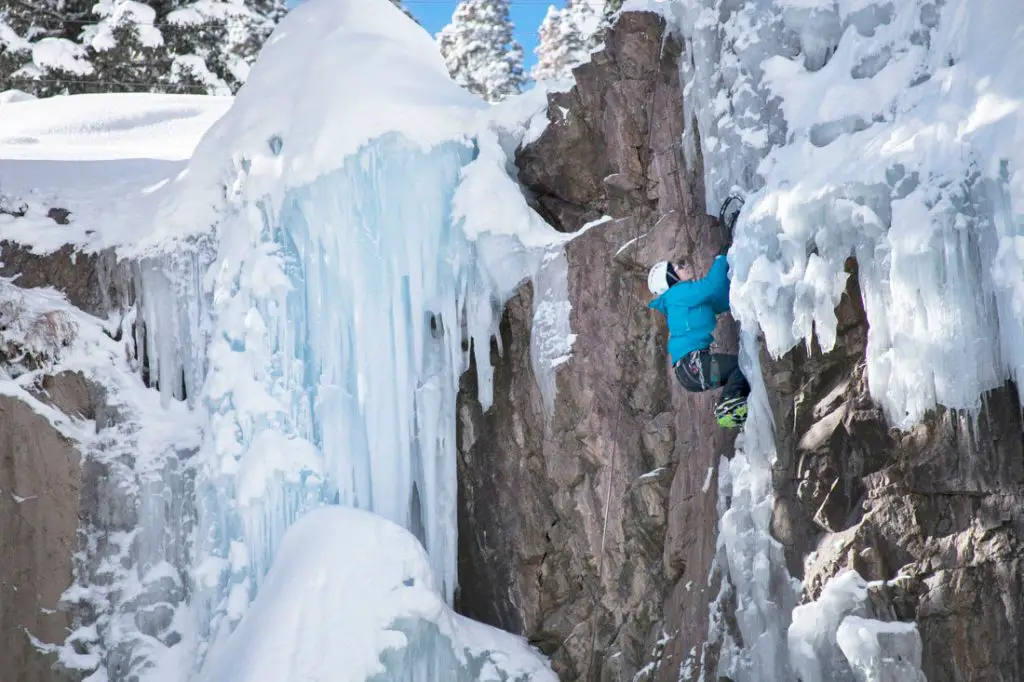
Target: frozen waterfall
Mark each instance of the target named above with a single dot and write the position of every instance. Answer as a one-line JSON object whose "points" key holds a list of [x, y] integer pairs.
{"points": [[365, 241], [885, 132]]}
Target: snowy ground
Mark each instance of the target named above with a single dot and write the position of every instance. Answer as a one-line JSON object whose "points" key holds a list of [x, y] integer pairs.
{"points": [[105, 158]]}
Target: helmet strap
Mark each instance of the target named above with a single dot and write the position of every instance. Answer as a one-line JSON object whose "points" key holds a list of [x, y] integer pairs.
{"points": [[670, 275]]}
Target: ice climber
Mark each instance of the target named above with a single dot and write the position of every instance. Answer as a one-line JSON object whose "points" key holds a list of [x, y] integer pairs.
{"points": [[692, 306]]}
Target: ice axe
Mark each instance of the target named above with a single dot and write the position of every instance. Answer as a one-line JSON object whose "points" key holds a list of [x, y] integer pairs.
{"points": [[727, 216]]}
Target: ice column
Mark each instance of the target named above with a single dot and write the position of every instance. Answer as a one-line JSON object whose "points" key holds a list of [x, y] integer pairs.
{"points": [[381, 281], [343, 324]]}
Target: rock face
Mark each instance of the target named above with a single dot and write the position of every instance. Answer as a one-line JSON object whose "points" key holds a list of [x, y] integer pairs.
{"points": [[94, 282], [938, 509], [47, 491], [591, 530], [40, 498]]}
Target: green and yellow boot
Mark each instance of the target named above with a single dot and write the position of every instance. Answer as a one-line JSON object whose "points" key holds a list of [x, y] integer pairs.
{"points": [[731, 413]]}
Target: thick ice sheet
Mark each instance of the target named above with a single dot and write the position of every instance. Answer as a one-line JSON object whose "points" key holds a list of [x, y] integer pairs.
{"points": [[348, 586], [314, 282]]}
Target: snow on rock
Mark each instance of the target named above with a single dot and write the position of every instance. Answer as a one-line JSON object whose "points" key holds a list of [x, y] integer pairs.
{"points": [[352, 597], [132, 452], [813, 648], [834, 638], [886, 133], [313, 139]]}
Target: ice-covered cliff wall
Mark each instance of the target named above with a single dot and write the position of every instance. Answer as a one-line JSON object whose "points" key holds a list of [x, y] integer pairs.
{"points": [[884, 132]]}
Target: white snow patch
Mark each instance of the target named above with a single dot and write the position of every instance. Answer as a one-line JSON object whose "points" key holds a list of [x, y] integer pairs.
{"points": [[61, 54], [880, 651]]}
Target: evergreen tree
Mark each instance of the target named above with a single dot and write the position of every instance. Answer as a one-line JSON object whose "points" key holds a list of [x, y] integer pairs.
{"points": [[568, 35], [50, 47], [480, 51]]}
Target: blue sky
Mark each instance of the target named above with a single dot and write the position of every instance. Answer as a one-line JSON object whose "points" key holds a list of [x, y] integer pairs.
{"points": [[526, 15]]}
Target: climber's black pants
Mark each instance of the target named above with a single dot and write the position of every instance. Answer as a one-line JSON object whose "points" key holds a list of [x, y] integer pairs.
{"points": [[703, 370]]}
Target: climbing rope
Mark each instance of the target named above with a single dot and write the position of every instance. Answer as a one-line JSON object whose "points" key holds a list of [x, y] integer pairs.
{"points": [[608, 495]]}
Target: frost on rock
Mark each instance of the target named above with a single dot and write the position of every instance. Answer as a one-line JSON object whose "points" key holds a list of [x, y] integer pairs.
{"points": [[551, 338]]}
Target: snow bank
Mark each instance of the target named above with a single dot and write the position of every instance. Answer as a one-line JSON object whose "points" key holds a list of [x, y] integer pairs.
{"points": [[14, 96], [105, 158], [348, 587], [107, 127]]}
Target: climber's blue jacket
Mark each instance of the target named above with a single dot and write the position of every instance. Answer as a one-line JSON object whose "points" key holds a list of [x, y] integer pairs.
{"points": [[691, 308]]}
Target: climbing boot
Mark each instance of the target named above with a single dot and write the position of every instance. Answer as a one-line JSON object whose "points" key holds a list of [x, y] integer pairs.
{"points": [[731, 413]]}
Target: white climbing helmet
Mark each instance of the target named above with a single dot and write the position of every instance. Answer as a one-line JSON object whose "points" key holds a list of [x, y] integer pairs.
{"points": [[657, 278]]}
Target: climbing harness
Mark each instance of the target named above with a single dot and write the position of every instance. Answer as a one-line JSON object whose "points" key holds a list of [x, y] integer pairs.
{"points": [[690, 370]]}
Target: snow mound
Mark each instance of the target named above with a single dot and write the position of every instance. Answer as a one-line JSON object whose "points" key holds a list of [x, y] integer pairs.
{"points": [[402, 85], [351, 598], [15, 96], [106, 127]]}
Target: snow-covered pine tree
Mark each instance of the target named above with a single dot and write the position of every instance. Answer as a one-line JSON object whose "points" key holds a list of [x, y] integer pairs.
{"points": [[50, 47], [480, 51], [568, 35], [46, 29]]}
